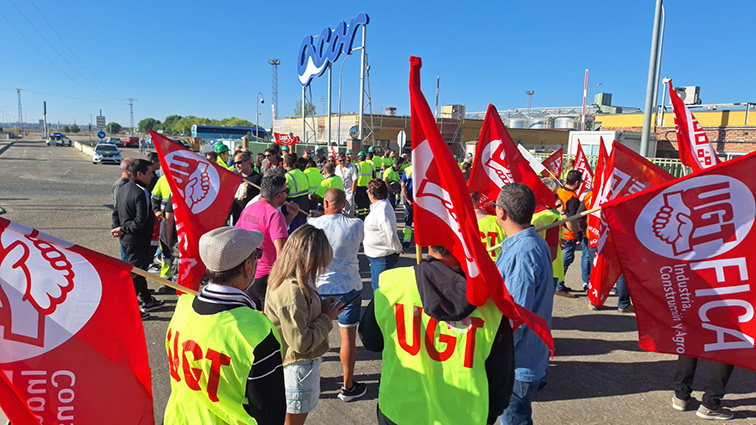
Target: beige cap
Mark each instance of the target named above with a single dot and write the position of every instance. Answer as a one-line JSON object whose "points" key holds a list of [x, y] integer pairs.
{"points": [[226, 247]]}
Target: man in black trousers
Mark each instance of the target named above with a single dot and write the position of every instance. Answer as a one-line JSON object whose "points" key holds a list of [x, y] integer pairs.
{"points": [[133, 223]]}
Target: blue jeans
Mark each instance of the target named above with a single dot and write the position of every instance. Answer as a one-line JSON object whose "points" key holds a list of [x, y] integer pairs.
{"points": [[587, 260], [380, 265], [520, 411], [623, 297], [568, 249]]}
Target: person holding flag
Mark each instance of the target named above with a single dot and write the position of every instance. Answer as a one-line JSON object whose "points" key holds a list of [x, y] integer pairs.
{"points": [[569, 197], [490, 231]]}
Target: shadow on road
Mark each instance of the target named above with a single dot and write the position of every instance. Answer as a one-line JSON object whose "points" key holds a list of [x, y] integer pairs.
{"points": [[591, 323]]}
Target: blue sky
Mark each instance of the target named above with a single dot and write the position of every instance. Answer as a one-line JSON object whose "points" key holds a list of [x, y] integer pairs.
{"points": [[211, 58]]}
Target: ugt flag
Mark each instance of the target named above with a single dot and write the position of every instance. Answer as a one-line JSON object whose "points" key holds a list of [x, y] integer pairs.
{"points": [[202, 193], [686, 249], [626, 173], [285, 139], [598, 180], [444, 213], [72, 346], [498, 162], [582, 165], [695, 150], [554, 163]]}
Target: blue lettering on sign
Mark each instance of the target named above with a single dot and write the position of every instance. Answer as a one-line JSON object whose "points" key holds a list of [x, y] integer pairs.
{"points": [[315, 55]]}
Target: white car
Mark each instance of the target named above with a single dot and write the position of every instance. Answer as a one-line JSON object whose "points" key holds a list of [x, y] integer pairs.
{"points": [[58, 139], [104, 152]]}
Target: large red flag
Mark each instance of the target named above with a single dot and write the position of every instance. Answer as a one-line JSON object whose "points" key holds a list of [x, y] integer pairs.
{"points": [[285, 139], [72, 346], [626, 173], [582, 165], [498, 162], [202, 193], [594, 219], [554, 163], [695, 150], [687, 256], [444, 214]]}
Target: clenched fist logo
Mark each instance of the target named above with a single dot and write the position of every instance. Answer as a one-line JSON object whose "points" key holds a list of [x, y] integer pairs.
{"points": [[672, 223], [197, 179]]}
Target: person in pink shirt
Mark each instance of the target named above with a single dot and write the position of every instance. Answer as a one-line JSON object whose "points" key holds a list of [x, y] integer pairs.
{"points": [[265, 217]]}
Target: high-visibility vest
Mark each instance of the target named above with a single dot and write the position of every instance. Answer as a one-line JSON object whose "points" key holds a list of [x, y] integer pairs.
{"points": [[392, 175], [209, 369], [223, 164], [298, 184], [544, 218], [313, 178], [441, 382], [565, 195], [364, 173]]}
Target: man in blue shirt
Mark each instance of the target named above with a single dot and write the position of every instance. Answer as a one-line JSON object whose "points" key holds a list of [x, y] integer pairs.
{"points": [[525, 265]]}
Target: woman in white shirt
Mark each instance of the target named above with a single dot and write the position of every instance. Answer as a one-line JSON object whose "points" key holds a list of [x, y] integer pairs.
{"points": [[382, 245]]}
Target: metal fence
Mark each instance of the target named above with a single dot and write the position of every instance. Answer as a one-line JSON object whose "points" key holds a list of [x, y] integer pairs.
{"points": [[671, 165]]}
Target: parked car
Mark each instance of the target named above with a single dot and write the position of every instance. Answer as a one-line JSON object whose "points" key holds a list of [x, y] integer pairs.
{"points": [[131, 142], [106, 152], [114, 141], [57, 139]]}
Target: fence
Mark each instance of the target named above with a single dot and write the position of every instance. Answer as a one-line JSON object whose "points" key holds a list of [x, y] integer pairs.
{"points": [[671, 165]]}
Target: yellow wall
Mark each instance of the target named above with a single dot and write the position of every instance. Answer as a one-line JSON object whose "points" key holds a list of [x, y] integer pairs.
{"points": [[705, 118]]}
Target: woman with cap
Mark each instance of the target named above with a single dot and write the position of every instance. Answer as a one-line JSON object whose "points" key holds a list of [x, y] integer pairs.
{"points": [[302, 319]]}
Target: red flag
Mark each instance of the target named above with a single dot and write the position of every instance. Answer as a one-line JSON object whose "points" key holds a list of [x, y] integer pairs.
{"points": [[687, 256], [444, 213], [626, 173], [582, 165], [202, 193], [695, 150], [285, 139], [498, 162], [594, 219], [554, 163], [72, 346]]}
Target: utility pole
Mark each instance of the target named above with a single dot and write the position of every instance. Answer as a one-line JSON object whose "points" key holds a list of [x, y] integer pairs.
{"points": [[274, 81], [650, 91], [131, 107], [20, 115]]}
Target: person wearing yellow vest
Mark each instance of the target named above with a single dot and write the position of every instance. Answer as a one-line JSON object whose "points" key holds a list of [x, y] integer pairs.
{"points": [[314, 178], [573, 235], [365, 173], [376, 161], [445, 361], [161, 195], [406, 183], [298, 190], [490, 231], [223, 156], [331, 181], [225, 356], [553, 236], [392, 175]]}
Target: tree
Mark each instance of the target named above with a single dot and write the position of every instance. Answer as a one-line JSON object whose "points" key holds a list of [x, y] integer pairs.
{"points": [[309, 109], [114, 127], [148, 124], [66, 129], [75, 129]]}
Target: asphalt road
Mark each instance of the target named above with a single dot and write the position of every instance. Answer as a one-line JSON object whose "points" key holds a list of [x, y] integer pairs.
{"points": [[598, 374]]}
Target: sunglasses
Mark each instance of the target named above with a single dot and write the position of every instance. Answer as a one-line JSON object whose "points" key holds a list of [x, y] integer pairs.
{"points": [[241, 162], [258, 253]]}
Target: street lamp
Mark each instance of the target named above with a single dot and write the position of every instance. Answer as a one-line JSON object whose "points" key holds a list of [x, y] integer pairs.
{"points": [[585, 95], [257, 122]]}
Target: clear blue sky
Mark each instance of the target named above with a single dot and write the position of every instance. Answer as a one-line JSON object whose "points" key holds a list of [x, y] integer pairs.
{"points": [[211, 58]]}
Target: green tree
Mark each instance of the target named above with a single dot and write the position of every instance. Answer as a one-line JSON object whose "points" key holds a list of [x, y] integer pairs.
{"points": [[114, 127], [148, 124], [170, 122], [309, 109], [75, 129], [66, 129]]}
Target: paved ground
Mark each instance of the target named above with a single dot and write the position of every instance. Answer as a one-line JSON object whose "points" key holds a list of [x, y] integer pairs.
{"points": [[598, 375]]}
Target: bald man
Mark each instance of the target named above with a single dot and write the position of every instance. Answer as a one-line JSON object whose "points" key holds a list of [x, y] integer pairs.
{"points": [[342, 280]]}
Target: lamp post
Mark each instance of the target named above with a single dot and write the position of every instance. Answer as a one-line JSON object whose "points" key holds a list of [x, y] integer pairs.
{"points": [[585, 95], [257, 122]]}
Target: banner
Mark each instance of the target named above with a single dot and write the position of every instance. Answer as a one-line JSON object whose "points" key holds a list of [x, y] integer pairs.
{"points": [[498, 162], [72, 346], [582, 165], [626, 173], [285, 139], [687, 256], [444, 213], [598, 182], [202, 193], [695, 150], [554, 163]]}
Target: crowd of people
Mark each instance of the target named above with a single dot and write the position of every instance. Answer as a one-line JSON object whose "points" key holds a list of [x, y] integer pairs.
{"points": [[286, 266]]}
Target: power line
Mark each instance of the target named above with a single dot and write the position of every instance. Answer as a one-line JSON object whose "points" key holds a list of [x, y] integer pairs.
{"points": [[52, 27], [53, 47]]}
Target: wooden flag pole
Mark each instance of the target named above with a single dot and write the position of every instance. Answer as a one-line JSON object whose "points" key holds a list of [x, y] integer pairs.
{"points": [[419, 253], [162, 281], [556, 223]]}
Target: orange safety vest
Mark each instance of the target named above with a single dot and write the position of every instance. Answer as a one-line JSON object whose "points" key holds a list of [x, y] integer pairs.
{"points": [[566, 195]]}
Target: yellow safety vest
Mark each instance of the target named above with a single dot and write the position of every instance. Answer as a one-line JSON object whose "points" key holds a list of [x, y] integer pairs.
{"points": [[433, 372], [298, 184], [364, 173], [313, 178]]}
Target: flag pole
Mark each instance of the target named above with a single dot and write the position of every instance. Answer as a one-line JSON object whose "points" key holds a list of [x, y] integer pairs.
{"points": [[306, 214], [555, 178], [162, 281], [556, 223], [419, 253]]}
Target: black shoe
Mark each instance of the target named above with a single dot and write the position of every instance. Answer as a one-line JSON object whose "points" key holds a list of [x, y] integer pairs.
{"points": [[144, 314], [152, 305], [166, 290], [564, 293], [358, 390]]}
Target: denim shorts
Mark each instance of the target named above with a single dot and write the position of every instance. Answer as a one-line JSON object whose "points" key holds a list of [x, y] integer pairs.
{"points": [[350, 317], [302, 385]]}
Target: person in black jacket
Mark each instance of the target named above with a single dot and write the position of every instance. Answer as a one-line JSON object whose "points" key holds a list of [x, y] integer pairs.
{"points": [[133, 224]]}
